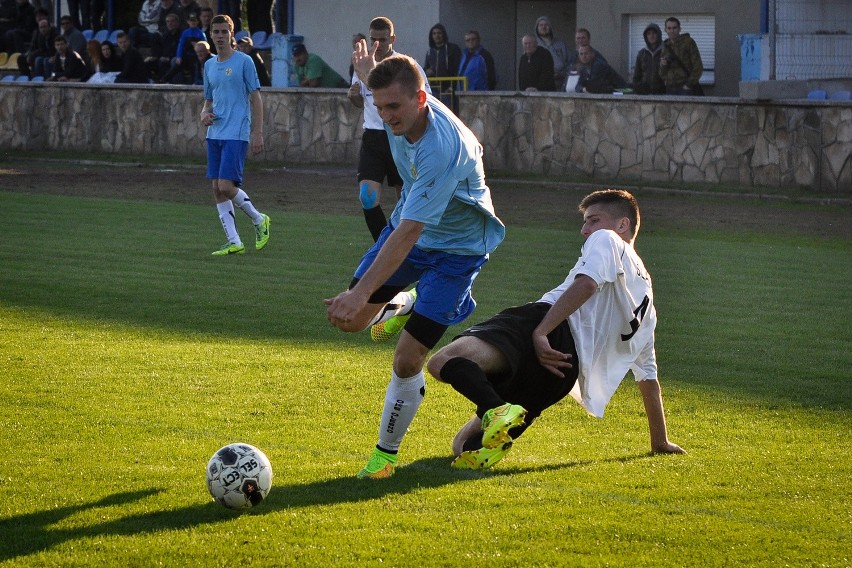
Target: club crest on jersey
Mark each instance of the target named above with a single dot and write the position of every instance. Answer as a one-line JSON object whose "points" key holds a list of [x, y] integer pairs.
{"points": [[229, 71], [413, 171]]}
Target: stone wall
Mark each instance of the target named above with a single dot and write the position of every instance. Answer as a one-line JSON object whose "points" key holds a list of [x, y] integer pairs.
{"points": [[650, 139]]}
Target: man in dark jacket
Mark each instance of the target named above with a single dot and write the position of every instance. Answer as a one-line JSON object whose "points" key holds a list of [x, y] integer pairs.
{"points": [[646, 75], [133, 65], [442, 60], [535, 69], [42, 49], [67, 64], [680, 64], [595, 75]]}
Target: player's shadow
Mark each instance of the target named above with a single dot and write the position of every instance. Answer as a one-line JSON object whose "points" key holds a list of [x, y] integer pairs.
{"points": [[31, 533]]}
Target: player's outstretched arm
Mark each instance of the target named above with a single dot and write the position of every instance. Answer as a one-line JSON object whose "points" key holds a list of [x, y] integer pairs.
{"points": [[652, 396]]}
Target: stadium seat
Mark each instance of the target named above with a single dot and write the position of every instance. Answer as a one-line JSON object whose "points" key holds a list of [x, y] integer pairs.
{"points": [[4, 57], [240, 35], [37, 79], [8, 79], [22, 79], [841, 96], [258, 39], [818, 95], [101, 36], [113, 37], [88, 34], [11, 63]]}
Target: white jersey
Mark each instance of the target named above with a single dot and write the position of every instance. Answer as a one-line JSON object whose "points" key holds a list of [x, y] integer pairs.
{"points": [[614, 330], [372, 120]]}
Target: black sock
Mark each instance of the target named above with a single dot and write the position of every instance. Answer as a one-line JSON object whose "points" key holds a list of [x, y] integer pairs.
{"points": [[470, 381], [376, 221]]}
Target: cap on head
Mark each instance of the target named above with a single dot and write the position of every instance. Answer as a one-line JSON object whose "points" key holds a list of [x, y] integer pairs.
{"points": [[299, 49]]}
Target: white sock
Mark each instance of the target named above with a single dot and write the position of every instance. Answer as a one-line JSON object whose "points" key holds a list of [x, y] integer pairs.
{"points": [[226, 215], [243, 202], [400, 305], [402, 399]]}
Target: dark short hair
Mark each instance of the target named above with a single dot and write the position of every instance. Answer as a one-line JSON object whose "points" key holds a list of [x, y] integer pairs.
{"points": [[381, 24], [400, 69], [673, 19], [584, 31], [618, 202], [60, 38], [65, 19]]}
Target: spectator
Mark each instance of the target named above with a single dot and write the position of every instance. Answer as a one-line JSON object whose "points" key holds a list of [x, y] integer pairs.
{"points": [[581, 37], [67, 64], [312, 71], [45, 6], [646, 74], [246, 45], [149, 21], [259, 14], [164, 52], [185, 63], [558, 49], [36, 62], [203, 53], [680, 63], [76, 39], [168, 7], [79, 12], [206, 18], [234, 9], [20, 27], [110, 59], [442, 59], [356, 38], [535, 70], [133, 69], [97, 66], [595, 75], [187, 8], [477, 64]]}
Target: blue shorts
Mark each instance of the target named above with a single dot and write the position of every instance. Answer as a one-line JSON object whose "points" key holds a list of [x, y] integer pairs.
{"points": [[444, 280], [226, 159]]}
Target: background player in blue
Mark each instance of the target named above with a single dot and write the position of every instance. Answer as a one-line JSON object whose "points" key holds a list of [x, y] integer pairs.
{"points": [[591, 329], [439, 236], [233, 113]]}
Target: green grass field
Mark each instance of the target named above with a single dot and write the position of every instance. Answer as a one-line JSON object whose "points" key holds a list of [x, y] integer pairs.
{"points": [[129, 355]]}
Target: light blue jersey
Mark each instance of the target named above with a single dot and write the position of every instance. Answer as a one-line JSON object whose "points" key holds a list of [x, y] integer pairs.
{"points": [[444, 186], [228, 84]]}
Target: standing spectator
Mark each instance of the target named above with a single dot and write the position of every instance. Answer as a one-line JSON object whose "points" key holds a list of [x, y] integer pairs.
{"points": [[21, 28], [477, 64], [312, 71], [596, 75], [259, 15], [535, 69], [206, 17], [188, 8], [439, 237], [203, 53], [442, 60], [646, 74], [375, 161], [36, 62], [558, 49], [246, 45], [46, 6], [79, 12], [680, 64], [164, 52], [356, 39], [149, 21], [582, 37], [67, 64], [234, 10], [76, 39], [233, 113], [168, 7], [133, 69]]}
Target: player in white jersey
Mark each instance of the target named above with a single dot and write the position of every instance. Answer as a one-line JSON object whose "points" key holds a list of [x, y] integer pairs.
{"points": [[581, 338], [375, 162]]}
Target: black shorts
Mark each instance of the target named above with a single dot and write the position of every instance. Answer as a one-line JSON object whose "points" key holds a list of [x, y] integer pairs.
{"points": [[527, 383], [375, 161]]}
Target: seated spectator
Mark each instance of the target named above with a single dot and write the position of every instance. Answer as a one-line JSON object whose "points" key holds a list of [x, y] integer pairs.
{"points": [[96, 63], [20, 27], [164, 52], [167, 7], [473, 64], [246, 45], [646, 74], [595, 75], [67, 64], [680, 64], [187, 8], [110, 59], [203, 53], [76, 39], [133, 69], [148, 20], [184, 67], [36, 61], [312, 71], [535, 69], [582, 37]]}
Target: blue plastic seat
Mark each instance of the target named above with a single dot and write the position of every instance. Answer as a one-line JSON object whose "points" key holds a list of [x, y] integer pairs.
{"points": [[101, 35], [841, 96], [113, 36], [258, 39], [8, 79], [88, 34], [818, 94], [22, 79], [240, 35], [37, 79]]}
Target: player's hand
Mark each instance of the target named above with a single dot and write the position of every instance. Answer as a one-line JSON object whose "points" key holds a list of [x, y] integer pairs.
{"points": [[256, 140], [343, 308], [549, 358], [668, 448], [364, 59], [354, 90], [207, 118]]}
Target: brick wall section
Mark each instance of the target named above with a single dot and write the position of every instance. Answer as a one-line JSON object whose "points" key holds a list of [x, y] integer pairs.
{"points": [[794, 143]]}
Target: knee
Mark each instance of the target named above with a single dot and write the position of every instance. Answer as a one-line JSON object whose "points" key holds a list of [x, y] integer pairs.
{"points": [[436, 363], [368, 194]]}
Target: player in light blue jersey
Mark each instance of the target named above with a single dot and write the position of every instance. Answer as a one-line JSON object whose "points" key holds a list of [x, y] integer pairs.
{"points": [[439, 236], [233, 113]]}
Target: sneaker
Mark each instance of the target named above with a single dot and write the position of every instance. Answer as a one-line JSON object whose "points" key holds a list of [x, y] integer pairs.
{"points": [[483, 458], [230, 248], [498, 421], [380, 466], [261, 233], [385, 330]]}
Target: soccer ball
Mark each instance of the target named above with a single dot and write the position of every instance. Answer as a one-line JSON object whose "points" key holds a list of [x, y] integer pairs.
{"points": [[239, 476]]}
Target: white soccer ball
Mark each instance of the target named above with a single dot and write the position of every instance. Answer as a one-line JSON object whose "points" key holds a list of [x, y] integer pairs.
{"points": [[239, 476]]}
